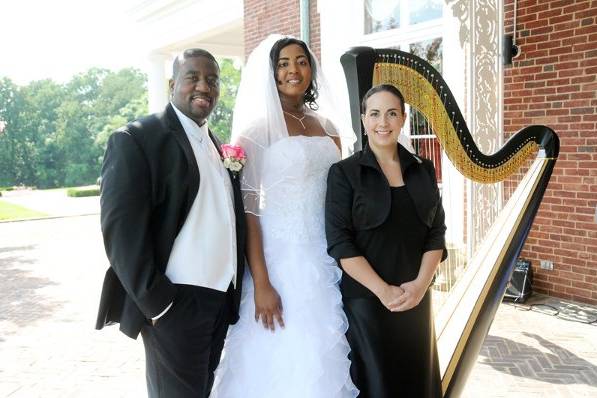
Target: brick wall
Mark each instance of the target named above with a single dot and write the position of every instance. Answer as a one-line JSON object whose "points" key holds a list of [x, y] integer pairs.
{"points": [[263, 17], [553, 82]]}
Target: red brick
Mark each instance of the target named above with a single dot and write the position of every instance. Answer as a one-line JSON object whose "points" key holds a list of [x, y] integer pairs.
{"points": [[539, 38], [558, 82], [583, 47], [583, 79], [572, 56], [548, 14], [565, 219], [567, 65], [558, 97], [560, 281], [573, 277], [560, 50], [568, 89], [562, 34], [577, 103], [570, 72], [585, 30], [541, 28], [574, 40], [586, 13], [568, 119], [576, 292], [576, 6]]}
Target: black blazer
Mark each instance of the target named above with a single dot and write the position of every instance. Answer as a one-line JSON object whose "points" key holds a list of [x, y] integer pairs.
{"points": [[359, 198], [150, 179]]}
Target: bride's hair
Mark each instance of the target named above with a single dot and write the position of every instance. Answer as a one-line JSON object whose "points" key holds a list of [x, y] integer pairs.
{"points": [[312, 93]]}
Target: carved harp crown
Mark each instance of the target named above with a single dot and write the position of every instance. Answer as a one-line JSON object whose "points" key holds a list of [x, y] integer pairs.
{"points": [[464, 319]]}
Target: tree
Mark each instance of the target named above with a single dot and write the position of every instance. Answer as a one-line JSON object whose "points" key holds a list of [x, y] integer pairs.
{"points": [[104, 100], [54, 135], [75, 139], [123, 98], [220, 121], [11, 102], [40, 113]]}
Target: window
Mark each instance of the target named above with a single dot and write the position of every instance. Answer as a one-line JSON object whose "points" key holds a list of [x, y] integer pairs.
{"points": [[414, 26], [381, 15], [422, 136], [424, 10]]}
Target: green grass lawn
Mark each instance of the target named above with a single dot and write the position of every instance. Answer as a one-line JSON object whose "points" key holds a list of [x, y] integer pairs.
{"points": [[8, 211]]}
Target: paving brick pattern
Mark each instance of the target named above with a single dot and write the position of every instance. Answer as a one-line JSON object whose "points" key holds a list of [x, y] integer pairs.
{"points": [[533, 353], [50, 279]]}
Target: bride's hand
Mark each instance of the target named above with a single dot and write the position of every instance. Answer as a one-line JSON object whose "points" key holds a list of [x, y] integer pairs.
{"points": [[268, 306]]}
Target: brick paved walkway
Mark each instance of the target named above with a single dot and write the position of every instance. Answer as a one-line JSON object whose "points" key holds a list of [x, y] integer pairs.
{"points": [[535, 354], [50, 277]]}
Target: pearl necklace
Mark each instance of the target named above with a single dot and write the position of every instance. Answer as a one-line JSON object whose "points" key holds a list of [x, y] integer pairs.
{"points": [[299, 119]]}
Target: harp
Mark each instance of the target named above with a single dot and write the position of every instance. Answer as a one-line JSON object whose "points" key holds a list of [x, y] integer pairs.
{"points": [[521, 169]]}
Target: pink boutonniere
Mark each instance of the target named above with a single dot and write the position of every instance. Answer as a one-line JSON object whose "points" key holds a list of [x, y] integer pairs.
{"points": [[234, 158]]}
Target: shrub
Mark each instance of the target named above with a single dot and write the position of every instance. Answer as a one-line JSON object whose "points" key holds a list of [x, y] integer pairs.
{"points": [[92, 190]]}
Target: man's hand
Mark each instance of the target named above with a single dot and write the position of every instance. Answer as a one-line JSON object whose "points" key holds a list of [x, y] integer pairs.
{"points": [[268, 306]]}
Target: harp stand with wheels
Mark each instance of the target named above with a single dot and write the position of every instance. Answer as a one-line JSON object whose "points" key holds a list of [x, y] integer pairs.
{"points": [[468, 309]]}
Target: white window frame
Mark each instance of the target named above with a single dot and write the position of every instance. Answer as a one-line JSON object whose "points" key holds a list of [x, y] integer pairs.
{"points": [[402, 37]]}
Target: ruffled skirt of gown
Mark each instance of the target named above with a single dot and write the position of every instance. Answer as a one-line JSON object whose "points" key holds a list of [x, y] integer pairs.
{"points": [[306, 359]]}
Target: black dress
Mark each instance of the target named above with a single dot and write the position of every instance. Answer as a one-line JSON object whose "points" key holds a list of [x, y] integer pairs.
{"points": [[393, 354]]}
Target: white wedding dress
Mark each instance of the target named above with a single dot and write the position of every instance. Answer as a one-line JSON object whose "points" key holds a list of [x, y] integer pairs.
{"points": [[309, 357]]}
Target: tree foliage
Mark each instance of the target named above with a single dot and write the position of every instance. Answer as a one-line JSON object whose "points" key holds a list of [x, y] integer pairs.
{"points": [[220, 121], [55, 134]]}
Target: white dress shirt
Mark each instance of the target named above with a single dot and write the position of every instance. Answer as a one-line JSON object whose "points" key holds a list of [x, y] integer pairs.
{"points": [[204, 252]]}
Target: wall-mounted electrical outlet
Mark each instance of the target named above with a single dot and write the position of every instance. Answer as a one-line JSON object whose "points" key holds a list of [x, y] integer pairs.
{"points": [[546, 264]]}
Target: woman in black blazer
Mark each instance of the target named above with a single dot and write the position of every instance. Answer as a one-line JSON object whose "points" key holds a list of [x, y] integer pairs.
{"points": [[385, 227]]}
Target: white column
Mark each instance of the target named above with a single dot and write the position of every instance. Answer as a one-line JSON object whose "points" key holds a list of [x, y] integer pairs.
{"points": [[157, 82], [335, 16]]}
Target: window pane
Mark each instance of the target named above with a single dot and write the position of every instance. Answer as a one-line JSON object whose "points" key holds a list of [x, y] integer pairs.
{"points": [[430, 50], [381, 15], [424, 10], [422, 136]]}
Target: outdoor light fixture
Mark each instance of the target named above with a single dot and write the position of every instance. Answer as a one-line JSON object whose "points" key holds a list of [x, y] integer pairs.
{"points": [[511, 50]]}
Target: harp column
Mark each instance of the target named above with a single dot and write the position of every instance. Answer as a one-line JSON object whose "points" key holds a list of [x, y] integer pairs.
{"points": [[480, 35]]}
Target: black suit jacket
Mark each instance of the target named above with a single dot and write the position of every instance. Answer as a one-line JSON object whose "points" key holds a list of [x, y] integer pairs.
{"points": [[359, 199], [150, 179]]}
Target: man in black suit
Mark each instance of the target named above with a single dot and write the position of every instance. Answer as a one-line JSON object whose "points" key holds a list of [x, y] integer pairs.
{"points": [[174, 232]]}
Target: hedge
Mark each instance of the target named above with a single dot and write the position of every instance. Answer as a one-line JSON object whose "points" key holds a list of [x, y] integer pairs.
{"points": [[79, 192]]}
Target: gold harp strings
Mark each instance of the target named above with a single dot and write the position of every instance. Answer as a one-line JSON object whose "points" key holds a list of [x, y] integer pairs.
{"points": [[420, 94]]}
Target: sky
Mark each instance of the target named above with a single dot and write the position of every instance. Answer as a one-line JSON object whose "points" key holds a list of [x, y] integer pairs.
{"points": [[58, 39]]}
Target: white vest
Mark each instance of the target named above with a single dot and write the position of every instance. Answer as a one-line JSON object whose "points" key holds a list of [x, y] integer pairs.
{"points": [[204, 252]]}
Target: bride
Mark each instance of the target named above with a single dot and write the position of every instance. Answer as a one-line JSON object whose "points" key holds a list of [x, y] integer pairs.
{"points": [[289, 341]]}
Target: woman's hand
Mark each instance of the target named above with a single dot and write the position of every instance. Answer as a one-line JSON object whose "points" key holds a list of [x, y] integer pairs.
{"points": [[389, 296], [268, 306], [414, 291]]}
